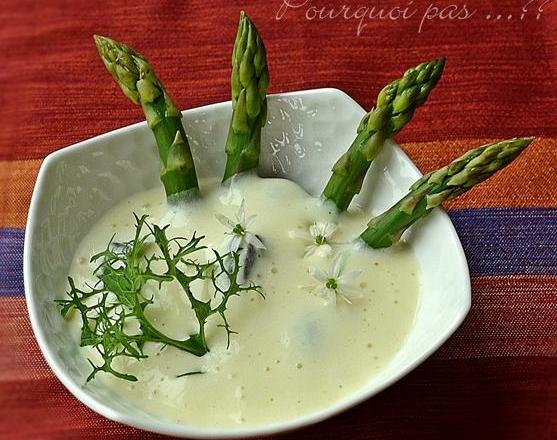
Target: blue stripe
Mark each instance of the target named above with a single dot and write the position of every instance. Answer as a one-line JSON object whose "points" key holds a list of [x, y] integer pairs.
{"points": [[505, 241], [11, 261], [497, 241]]}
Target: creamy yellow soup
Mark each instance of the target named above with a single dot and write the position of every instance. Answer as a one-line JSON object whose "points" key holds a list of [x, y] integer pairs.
{"points": [[300, 349]]}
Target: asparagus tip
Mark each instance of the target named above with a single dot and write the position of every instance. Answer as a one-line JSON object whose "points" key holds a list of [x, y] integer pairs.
{"points": [[520, 142], [99, 39], [527, 139], [104, 44]]}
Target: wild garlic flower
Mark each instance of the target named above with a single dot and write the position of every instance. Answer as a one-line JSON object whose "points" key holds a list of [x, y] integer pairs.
{"points": [[335, 282], [318, 237], [239, 235]]}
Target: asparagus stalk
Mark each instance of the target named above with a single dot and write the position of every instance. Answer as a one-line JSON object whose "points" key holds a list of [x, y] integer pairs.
{"points": [[395, 107], [138, 81], [438, 186], [249, 81]]}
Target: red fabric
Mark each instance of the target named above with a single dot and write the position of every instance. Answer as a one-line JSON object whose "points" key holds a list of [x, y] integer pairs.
{"points": [[499, 79], [496, 377]]}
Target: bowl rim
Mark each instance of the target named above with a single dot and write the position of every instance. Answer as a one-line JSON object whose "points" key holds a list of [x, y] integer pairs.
{"points": [[180, 430]]}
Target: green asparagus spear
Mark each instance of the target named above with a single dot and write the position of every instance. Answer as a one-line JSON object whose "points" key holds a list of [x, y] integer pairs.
{"points": [[250, 78], [438, 186], [395, 107], [138, 81]]}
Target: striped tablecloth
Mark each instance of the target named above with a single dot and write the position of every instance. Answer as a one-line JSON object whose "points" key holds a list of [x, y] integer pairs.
{"points": [[496, 377]]}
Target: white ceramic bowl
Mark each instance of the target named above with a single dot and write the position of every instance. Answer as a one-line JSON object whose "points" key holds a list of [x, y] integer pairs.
{"points": [[307, 131]]}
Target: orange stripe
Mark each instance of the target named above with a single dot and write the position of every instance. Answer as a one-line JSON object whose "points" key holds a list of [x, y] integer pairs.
{"points": [[530, 181], [17, 179]]}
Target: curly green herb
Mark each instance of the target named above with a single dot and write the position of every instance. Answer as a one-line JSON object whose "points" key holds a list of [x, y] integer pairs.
{"points": [[117, 303]]}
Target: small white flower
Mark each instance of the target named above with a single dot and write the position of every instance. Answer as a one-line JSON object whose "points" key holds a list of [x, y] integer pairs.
{"points": [[318, 237], [239, 235], [335, 282]]}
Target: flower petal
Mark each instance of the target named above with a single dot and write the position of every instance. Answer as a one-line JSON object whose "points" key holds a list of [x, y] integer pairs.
{"points": [[301, 235], [235, 242], [349, 277], [320, 291], [338, 265], [324, 250], [254, 241], [241, 214], [318, 274], [225, 221], [323, 229], [315, 230], [344, 297], [327, 294], [329, 229], [226, 243], [310, 250], [249, 221], [350, 292]]}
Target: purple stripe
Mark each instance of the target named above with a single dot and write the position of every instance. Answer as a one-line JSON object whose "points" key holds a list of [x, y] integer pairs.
{"points": [[508, 241], [11, 261], [497, 241]]}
